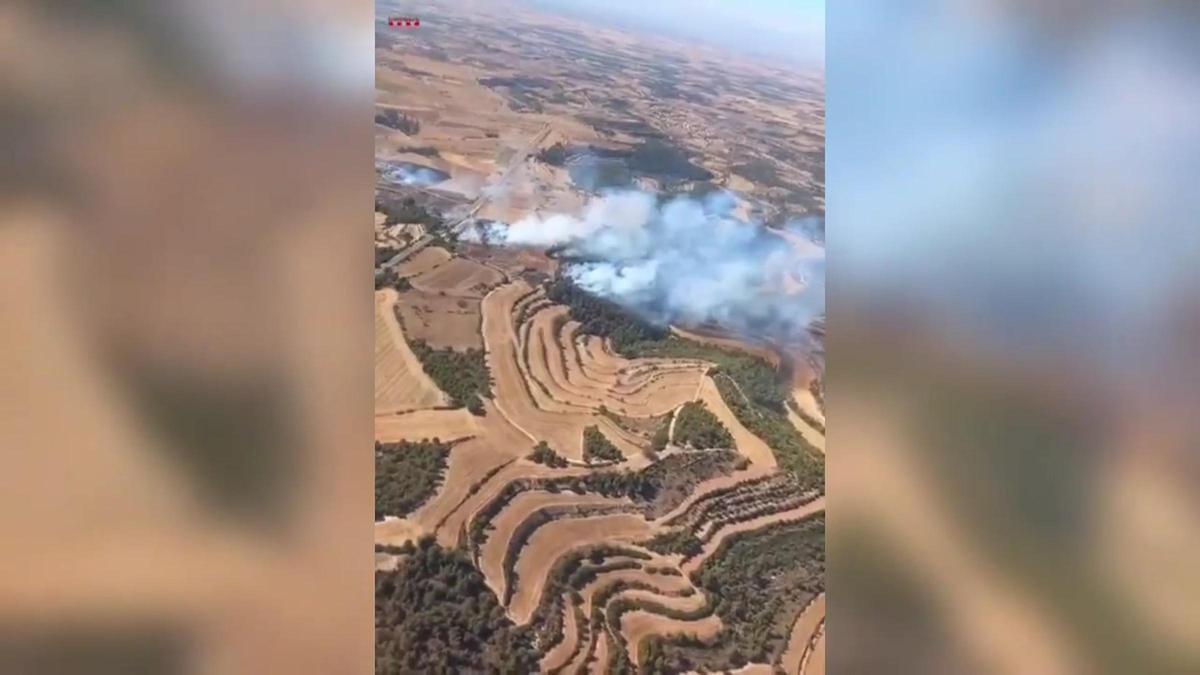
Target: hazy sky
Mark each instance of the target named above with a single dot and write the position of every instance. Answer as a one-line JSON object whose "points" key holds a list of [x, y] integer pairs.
{"points": [[787, 29]]}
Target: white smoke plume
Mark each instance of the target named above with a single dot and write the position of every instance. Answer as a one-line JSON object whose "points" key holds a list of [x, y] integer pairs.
{"points": [[407, 174], [685, 261]]}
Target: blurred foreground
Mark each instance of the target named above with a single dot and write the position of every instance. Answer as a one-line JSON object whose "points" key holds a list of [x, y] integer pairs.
{"points": [[1014, 338], [185, 347]]}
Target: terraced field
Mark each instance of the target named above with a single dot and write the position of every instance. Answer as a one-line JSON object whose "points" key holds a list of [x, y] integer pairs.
{"points": [[806, 633], [527, 405], [557, 365], [640, 624], [598, 566], [521, 511]]}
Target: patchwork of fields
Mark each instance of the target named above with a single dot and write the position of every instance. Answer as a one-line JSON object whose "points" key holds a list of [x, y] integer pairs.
{"points": [[602, 562]]}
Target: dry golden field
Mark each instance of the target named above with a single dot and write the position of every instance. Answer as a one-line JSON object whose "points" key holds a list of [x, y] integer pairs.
{"points": [[400, 383], [441, 321]]}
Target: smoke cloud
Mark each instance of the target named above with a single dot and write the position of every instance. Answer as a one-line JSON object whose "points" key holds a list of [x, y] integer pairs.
{"points": [[408, 174], [685, 261]]}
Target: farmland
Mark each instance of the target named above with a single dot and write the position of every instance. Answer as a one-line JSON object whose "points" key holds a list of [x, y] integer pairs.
{"points": [[565, 485], [603, 549], [602, 560], [400, 383]]}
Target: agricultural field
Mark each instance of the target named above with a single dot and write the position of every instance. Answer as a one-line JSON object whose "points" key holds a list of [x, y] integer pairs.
{"points": [[400, 383], [440, 321], [565, 483], [457, 277], [599, 562]]}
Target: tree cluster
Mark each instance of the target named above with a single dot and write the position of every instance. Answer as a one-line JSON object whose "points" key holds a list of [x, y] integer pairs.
{"points": [[758, 170], [435, 614], [394, 119], [631, 484], [597, 447], [407, 211], [462, 375], [388, 277], [662, 436], [555, 155], [406, 474], [696, 426], [544, 454], [673, 478]]}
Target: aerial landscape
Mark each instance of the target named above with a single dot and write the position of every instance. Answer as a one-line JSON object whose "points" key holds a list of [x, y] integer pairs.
{"points": [[599, 349]]}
